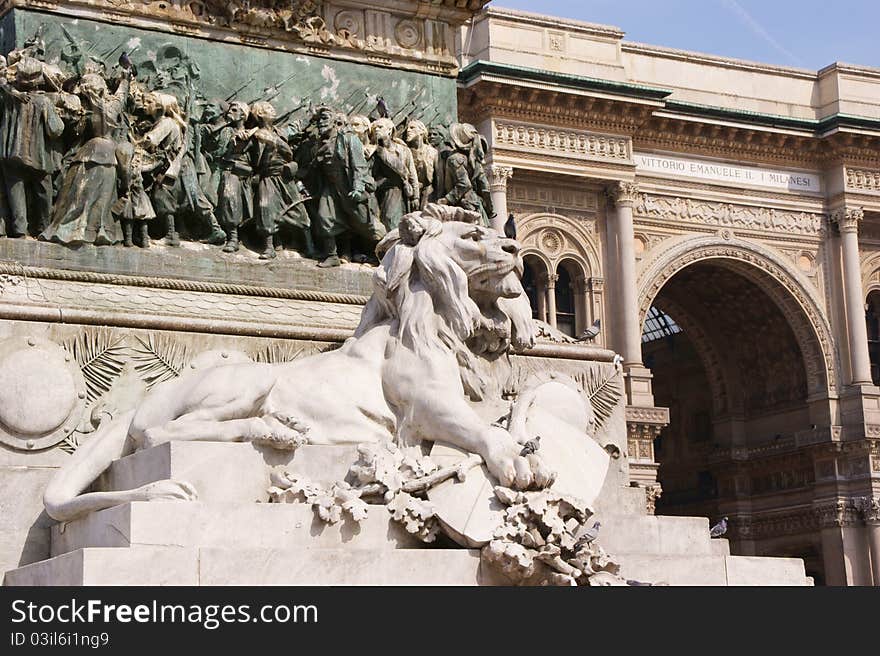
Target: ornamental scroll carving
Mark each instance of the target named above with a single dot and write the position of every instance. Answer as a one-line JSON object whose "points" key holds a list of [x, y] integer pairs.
{"points": [[728, 214], [562, 143]]}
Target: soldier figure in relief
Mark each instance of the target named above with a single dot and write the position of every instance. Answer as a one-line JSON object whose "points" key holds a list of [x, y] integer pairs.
{"points": [[29, 150], [397, 181]]}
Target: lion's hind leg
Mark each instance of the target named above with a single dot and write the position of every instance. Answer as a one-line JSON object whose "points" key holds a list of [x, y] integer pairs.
{"points": [[210, 425]]}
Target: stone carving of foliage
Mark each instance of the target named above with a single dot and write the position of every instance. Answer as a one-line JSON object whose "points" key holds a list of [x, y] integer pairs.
{"points": [[277, 353], [602, 387], [397, 478], [158, 359], [539, 542], [328, 505], [100, 357], [416, 515]]}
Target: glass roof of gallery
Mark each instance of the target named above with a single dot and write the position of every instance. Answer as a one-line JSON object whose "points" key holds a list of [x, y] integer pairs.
{"points": [[658, 324]]}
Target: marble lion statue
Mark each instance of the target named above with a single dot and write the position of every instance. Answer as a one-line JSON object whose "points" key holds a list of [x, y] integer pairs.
{"points": [[446, 291]]}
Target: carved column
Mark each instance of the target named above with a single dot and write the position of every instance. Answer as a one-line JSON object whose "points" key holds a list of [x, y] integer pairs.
{"points": [[551, 298], [499, 175], [623, 197], [847, 220], [870, 508], [583, 311]]}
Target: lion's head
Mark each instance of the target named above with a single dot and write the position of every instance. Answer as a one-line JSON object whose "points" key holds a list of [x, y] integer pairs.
{"points": [[447, 283]]}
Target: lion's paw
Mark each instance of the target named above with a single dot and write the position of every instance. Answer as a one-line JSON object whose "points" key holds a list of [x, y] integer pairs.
{"points": [[519, 472], [281, 432], [167, 490]]}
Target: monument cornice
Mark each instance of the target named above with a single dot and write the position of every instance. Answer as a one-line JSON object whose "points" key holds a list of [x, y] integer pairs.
{"points": [[409, 34]]}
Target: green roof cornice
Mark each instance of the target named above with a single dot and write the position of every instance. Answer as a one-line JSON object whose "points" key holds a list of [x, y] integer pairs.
{"points": [[639, 91]]}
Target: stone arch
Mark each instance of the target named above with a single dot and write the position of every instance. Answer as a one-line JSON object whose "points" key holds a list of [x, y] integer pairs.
{"points": [[871, 274], [793, 295]]}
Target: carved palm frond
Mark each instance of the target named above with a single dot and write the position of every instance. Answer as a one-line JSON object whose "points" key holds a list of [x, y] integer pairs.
{"points": [[603, 389], [277, 353], [100, 357], [159, 359], [70, 443]]}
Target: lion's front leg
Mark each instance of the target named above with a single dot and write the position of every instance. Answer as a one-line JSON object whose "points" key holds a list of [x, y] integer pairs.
{"points": [[454, 422]]}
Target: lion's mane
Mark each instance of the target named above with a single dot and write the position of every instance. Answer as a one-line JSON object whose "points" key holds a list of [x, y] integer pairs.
{"points": [[424, 295]]}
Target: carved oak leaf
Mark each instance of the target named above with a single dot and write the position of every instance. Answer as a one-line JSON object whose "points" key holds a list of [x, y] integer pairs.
{"points": [[416, 515]]}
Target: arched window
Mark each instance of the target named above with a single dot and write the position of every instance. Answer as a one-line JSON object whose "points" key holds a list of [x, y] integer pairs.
{"points": [[872, 318], [565, 311], [534, 275]]}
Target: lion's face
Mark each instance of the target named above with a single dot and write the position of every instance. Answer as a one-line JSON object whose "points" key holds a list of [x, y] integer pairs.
{"points": [[491, 262]]}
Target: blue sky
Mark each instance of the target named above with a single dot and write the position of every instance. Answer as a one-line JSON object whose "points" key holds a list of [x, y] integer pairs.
{"points": [[803, 33]]}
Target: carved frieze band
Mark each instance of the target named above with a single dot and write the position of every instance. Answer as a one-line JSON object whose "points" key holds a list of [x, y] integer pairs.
{"points": [[553, 142], [863, 180], [728, 214], [376, 33]]}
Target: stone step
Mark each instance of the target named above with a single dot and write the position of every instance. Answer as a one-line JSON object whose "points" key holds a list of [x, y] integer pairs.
{"points": [[221, 566], [712, 570], [213, 524], [660, 535], [228, 472], [110, 566]]}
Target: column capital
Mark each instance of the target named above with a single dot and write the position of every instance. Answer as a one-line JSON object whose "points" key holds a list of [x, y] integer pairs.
{"points": [[622, 194], [847, 219], [499, 175], [551, 279], [837, 513], [870, 509]]}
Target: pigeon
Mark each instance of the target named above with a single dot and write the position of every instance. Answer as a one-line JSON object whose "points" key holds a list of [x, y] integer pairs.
{"points": [[589, 535], [719, 529], [381, 107], [531, 446], [590, 333], [510, 227]]}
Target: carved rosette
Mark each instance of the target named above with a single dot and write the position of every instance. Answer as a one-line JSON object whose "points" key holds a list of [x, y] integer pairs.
{"points": [[848, 218], [623, 194], [42, 393], [499, 177]]}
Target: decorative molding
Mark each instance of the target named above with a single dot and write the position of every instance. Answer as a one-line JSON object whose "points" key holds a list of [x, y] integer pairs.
{"points": [[13, 273], [640, 415], [551, 198], [553, 142], [674, 208]]}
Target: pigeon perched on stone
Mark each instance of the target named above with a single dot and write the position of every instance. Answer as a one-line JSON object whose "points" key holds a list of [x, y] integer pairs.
{"points": [[589, 535], [531, 446], [590, 333], [719, 529], [510, 227]]}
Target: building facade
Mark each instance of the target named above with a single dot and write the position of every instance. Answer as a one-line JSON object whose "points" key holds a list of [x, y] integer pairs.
{"points": [[721, 219]]}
